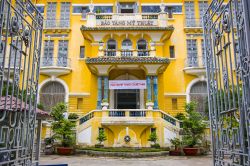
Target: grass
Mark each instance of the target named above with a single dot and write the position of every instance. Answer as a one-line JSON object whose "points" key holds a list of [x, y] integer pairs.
{"points": [[125, 149]]}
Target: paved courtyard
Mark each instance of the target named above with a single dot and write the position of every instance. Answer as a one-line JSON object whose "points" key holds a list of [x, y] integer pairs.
{"points": [[80, 160]]}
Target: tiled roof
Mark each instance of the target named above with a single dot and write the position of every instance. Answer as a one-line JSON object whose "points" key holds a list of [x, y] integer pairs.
{"points": [[14, 104], [84, 28], [149, 60]]}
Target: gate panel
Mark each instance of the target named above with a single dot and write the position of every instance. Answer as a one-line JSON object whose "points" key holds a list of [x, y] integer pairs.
{"points": [[228, 64], [20, 45]]}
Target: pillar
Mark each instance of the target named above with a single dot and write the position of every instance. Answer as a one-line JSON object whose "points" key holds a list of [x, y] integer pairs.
{"points": [[99, 94], [149, 95], [156, 106], [106, 88]]}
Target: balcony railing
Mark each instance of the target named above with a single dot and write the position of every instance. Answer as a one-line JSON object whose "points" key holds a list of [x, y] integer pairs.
{"points": [[193, 22], [127, 16], [195, 61], [56, 24], [127, 53], [56, 62]]}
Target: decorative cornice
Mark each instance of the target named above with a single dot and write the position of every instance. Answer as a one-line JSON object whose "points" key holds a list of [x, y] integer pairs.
{"points": [[106, 60], [84, 28]]}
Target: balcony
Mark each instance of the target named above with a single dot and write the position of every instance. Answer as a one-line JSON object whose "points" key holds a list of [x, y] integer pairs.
{"points": [[55, 66], [127, 117], [193, 25], [56, 25], [127, 53], [195, 66]]}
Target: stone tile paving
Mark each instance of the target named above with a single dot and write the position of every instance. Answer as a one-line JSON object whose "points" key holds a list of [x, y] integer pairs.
{"points": [[82, 160]]}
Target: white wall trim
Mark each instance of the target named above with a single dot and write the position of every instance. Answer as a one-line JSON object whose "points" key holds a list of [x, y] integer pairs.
{"points": [[40, 4], [57, 80], [194, 81]]}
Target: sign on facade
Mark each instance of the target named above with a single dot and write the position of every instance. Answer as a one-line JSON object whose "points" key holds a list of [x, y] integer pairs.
{"points": [[127, 84], [137, 23]]}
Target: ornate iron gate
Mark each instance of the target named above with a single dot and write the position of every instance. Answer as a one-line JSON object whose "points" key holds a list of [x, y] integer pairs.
{"points": [[20, 45], [226, 35]]}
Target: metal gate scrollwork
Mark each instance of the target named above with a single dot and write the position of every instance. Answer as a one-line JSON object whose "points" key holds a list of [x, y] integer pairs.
{"points": [[227, 36], [20, 44]]}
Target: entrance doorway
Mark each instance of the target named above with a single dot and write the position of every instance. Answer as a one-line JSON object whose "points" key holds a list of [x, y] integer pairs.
{"points": [[127, 99]]}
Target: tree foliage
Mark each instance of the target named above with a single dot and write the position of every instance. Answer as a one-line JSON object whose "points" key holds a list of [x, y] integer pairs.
{"points": [[193, 125], [61, 127], [101, 137], [153, 137]]}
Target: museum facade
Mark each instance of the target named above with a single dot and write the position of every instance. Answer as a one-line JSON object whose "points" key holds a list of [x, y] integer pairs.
{"points": [[124, 66]]}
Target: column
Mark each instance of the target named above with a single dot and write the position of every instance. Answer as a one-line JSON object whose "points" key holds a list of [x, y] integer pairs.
{"points": [[156, 92], [106, 88], [149, 95], [38, 139], [99, 93]]}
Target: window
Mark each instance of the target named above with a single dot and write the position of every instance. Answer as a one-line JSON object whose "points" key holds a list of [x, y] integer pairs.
{"points": [[172, 52], [103, 9], [40, 8], [62, 53], [151, 9], [153, 130], [174, 104], [169, 10], [189, 12], [203, 6], [82, 51], [111, 44], [65, 14], [192, 60], [48, 53], [79, 103], [51, 15], [126, 44], [142, 47]]}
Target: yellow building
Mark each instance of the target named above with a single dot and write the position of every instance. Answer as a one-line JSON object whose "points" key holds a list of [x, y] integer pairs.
{"points": [[125, 66]]}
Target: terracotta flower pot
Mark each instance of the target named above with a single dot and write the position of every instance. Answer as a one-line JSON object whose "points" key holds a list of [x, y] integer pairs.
{"points": [[64, 150], [190, 151]]}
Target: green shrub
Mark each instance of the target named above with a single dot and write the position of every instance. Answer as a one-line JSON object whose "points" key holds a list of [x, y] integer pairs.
{"points": [[153, 137], [101, 137], [193, 126], [73, 116], [61, 127]]}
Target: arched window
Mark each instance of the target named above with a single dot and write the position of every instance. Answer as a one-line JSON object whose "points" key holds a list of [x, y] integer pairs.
{"points": [[198, 93], [127, 48], [52, 93], [126, 44], [111, 48], [111, 44], [142, 47]]}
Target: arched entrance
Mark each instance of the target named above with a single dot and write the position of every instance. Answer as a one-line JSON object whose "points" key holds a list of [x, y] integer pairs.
{"points": [[52, 93]]}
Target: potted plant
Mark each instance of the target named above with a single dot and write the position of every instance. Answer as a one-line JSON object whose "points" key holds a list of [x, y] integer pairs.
{"points": [[193, 129], [153, 139], [177, 143], [62, 129], [104, 104], [149, 105], [101, 138]]}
